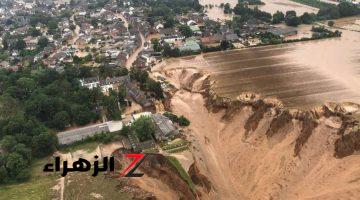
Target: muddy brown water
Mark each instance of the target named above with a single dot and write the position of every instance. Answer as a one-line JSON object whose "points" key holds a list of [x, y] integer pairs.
{"points": [[271, 6], [302, 75]]}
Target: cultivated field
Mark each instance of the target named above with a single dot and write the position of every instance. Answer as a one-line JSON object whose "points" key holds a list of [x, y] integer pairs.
{"points": [[302, 75]]}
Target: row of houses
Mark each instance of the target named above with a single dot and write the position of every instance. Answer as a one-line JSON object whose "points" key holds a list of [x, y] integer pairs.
{"points": [[112, 83], [106, 84]]}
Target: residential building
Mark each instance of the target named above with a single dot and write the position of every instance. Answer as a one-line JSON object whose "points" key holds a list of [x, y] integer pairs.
{"points": [[283, 32], [190, 45], [165, 128], [71, 136]]}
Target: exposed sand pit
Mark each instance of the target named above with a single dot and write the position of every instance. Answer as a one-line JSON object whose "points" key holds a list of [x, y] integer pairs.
{"points": [[243, 164], [156, 187]]}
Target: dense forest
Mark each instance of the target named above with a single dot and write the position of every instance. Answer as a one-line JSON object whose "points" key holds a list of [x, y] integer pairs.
{"points": [[34, 103]]}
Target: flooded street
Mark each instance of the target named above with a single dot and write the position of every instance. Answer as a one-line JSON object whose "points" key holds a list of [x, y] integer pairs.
{"points": [[271, 6], [301, 75]]}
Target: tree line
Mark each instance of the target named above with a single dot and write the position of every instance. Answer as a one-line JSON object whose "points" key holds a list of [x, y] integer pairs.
{"points": [[34, 103], [343, 9]]}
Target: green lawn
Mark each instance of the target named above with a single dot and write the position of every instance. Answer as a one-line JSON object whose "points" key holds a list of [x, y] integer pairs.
{"points": [[86, 146], [37, 188], [82, 186], [184, 175], [178, 150], [315, 3], [174, 145]]}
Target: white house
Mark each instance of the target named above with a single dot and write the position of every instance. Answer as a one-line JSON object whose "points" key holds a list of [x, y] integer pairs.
{"points": [[172, 39]]}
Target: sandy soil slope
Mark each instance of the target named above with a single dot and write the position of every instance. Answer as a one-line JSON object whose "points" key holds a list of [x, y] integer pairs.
{"points": [[253, 150]]}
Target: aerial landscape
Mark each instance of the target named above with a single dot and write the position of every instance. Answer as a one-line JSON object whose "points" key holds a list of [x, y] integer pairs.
{"points": [[179, 99]]}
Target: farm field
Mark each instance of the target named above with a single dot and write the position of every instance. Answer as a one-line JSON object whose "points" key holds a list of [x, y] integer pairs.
{"points": [[302, 75]]}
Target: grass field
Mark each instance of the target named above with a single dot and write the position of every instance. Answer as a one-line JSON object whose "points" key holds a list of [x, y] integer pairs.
{"points": [[175, 145], [86, 146], [37, 188], [314, 3], [83, 187], [184, 175]]}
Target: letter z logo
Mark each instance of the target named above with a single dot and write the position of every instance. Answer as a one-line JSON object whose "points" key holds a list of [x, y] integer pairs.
{"points": [[129, 171]]}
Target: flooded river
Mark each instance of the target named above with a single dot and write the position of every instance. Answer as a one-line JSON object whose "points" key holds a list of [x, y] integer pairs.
{"points": [[301, 75], [270, 6]]}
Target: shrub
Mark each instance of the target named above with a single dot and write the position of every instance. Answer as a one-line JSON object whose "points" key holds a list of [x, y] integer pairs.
{"points": [[183, 121], [174, 118]]}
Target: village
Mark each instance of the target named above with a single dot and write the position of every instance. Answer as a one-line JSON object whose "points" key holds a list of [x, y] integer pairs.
{"points": [[102, 78], [116, 43]]}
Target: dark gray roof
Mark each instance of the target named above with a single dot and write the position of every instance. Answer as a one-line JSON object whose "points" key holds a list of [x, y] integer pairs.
{"points": [[231, 36], [164, 125], [280, 31]]}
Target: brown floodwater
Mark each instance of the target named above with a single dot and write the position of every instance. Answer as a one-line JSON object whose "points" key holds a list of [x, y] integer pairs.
{"points": [[301, 75], [270, 6]]}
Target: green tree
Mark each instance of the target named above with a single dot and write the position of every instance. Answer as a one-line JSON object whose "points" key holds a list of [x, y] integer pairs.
{"points": [[174, 118], [278, 17], [61, 120], [227, 8], [43, 42], [292, 20], [307, 18], [224, 44], [8, 142], [111, 106], [183, 121], [140, 76], [156, 45], [170, 52], [20, 44], [9, 106], [155, 87], [331, 23], [144, 128], [17, 167], [82, 115], [290, 13], [5, 43], [348, 9], [52, 25], [185, 30], [169, 22], [125, 130], [77, 59], [94, 23], [23, 151], [122, 94], [3, 174], [33, 32], [44, 144], [25, 87], [88, 58]]}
